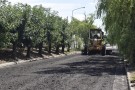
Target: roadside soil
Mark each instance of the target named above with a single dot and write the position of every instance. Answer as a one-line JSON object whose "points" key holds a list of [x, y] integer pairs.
{"points": [[6, 55]]}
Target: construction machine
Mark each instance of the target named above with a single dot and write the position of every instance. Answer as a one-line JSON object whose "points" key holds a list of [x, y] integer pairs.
{"points": [[96, 43]]}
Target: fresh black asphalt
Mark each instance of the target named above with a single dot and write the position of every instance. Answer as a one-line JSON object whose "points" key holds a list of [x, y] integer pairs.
{"points": [[73, 72]]}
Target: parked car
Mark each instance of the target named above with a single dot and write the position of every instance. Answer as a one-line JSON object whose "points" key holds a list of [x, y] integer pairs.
{"points": [[109, 49]]}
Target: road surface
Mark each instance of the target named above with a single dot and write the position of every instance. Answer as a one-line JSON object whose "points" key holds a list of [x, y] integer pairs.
{"points": [[74, 72]]}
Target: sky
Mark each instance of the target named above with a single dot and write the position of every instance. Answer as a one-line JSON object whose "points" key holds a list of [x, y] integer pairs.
{"points": [[66, 7]]}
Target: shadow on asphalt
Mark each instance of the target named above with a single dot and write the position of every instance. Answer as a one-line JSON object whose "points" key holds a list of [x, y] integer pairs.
{"points": [[94, 66]]}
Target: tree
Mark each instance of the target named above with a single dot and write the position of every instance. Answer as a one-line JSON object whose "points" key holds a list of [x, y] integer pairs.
{"points": [[50, 26], [57, 33], [11, 21], [81, 28], [36, 27], [24, 26], [4, 32], [63, 33], [118, 17]]}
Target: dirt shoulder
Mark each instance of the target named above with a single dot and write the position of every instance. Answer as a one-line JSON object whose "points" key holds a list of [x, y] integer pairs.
{"points": [[5, 57]]}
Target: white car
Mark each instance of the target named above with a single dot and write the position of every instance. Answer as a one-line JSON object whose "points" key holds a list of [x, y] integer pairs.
{"points": [[109, 49]]}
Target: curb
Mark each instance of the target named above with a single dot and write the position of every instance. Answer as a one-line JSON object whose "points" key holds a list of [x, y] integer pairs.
{"points": [[128, 76], [127, 73], [119, 81], [7, 64], [34, 59]]}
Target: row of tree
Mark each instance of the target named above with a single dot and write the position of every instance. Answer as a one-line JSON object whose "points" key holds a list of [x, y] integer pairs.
{"points": [[119, 19], [24, 26]]}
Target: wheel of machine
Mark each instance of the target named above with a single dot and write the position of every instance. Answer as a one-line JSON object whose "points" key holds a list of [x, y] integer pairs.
{"points": [[89, 52], [103, 52], [85, 52], [82, 52]]}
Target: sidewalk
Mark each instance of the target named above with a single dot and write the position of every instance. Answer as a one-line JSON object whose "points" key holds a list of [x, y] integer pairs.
{"points": [[6, 64]]}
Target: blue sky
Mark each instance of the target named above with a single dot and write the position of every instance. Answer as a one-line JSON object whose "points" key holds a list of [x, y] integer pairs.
{"points": [[65, 7]]}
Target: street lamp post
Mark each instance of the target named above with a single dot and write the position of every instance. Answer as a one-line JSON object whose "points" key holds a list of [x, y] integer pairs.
{"points": [[75, 41], [76, 9]]}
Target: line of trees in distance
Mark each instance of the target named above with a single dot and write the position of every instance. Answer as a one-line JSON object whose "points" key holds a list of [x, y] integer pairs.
{"points": [[25, 27]]}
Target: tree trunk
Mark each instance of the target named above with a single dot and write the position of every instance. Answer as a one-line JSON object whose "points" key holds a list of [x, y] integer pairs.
{"points": [[40, 48], [14, 49], [49, 47], [28, 51], [57, 49], [68, 49], [49, 41], [63, 45], [133, 58]]}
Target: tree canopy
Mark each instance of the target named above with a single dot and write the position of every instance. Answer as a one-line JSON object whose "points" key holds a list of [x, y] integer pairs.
{"points": [[22, 25], [118, 18]]}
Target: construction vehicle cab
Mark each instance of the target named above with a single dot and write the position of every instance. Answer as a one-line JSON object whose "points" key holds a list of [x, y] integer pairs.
{"points": [[95, 43]]}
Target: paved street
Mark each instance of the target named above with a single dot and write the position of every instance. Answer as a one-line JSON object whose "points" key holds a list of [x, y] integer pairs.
{"points": [[74, 72]]}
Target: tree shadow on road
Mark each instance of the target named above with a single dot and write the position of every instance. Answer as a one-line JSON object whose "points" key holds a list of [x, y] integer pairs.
{"points": [[94, 66]]}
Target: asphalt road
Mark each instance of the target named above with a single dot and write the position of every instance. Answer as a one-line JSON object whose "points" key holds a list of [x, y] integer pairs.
{"points": [[74, 72]]}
